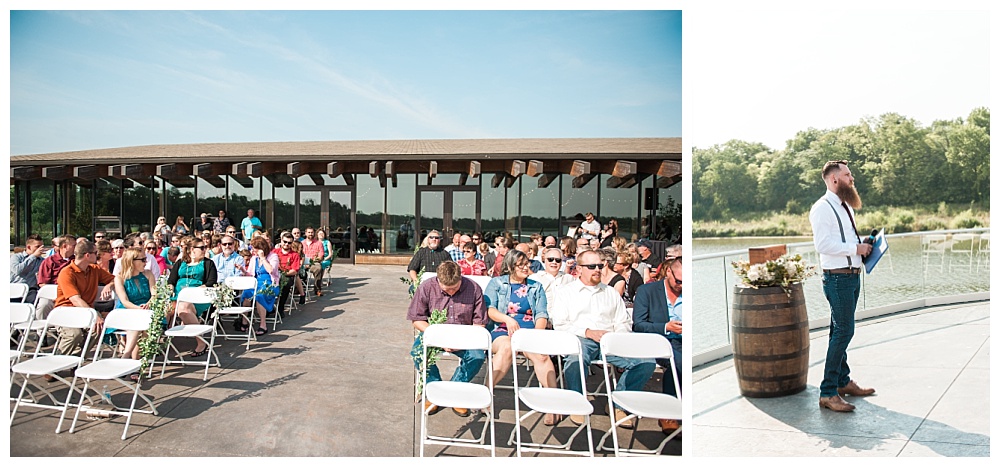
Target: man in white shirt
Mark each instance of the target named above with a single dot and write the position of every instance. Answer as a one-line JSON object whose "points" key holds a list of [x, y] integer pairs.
{"points": [[840, 249], [550, 276], [589, 308], [590, 228]]}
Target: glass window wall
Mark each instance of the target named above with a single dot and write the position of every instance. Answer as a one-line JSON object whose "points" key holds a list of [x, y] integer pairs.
{"points": [[211, 199], [401, 209], [622, 205], [178, 199], [137, 206], [539, 207], [43, 208], [492, 205], [576, 202], [281, 206], [370, 213]]}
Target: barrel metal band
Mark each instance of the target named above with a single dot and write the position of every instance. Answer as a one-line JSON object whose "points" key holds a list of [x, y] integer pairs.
{"points": [[770, 329], [771, 358], [770, 379], [771, 306]]}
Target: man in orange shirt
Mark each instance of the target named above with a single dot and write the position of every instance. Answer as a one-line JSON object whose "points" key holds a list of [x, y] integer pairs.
{"points": [[78, 286]]}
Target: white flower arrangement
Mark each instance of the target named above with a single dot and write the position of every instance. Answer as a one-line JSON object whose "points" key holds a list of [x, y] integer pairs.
{"points": [[782, 272]]}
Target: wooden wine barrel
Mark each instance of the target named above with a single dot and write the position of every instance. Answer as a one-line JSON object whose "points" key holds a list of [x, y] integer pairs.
{"points": [[770, 340]]}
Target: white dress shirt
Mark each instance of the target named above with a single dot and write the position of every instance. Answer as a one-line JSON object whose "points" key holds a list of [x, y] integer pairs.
{"points": [[550, 283], [578, 307], [835, 251]]}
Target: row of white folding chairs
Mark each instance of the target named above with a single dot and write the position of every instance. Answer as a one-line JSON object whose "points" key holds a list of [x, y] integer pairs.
{"points": [[541, 400], [107, 369]]}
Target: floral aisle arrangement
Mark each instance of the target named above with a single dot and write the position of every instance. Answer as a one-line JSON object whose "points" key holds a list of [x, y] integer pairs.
{"points": [[152, 344], [781, 272], [413, 284], [433, 353]]}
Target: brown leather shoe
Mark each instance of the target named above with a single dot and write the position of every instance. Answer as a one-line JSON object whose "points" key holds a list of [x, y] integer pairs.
{"points": [[431, 409], [852, 389], [836, 404], [460, 411], [669, 426], [577, 419], [621, 414]]}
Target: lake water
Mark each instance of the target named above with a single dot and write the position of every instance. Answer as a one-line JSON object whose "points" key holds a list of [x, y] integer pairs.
{"points": [[906, 273]]}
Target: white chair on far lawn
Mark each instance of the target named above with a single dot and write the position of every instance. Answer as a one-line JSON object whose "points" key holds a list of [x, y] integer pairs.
{"points": [[550, 400], [116, 368], [458, 394], [68, 317], [640, 403], [195, 295]]}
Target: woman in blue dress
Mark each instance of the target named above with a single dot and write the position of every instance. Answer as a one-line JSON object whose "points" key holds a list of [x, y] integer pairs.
{"points": [[194, 270], [134, 287], [516, 302], [264, 266]]}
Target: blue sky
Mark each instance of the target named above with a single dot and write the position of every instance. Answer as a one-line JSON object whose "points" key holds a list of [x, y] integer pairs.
{"points": [[99, 79]]}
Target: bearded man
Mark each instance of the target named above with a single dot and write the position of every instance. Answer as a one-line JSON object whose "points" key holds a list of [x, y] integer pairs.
{"points": [[835, 236]]}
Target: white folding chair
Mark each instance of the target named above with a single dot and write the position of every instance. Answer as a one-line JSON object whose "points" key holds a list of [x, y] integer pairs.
{"points": [[21, 315], [458, 394], [67, 317], [550, 400], [195, 295], [239, 284], [962, 247], [18, 291], [640, 403], [983, 251], [46, 296], [932, 245], [116, 368]]}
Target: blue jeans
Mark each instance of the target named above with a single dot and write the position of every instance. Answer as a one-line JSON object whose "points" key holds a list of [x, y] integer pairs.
{"points": [[637, 370], [842, 291], [468, 367], [668, 379]]}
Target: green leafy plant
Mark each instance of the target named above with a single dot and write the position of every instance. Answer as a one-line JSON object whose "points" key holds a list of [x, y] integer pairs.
{"points": [[413, 283], [152, 344], [433, 353]]}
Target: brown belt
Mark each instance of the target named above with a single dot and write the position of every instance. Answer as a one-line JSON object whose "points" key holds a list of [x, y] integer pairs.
{"points": [[843, 271]]}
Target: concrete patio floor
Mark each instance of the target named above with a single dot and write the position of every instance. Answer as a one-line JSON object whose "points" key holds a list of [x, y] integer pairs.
{"points": [[336, 379], [931, 369]]}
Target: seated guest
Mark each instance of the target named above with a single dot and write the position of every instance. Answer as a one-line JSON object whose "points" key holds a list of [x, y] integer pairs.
{"points": [[658, 310], [204, 223], [78, 285], [289, 264], [503, 246], [646, 255], [463, 300], [134, 287], [470, 265], [582, 244], [180, 227], [550, 242], [568, 247], [428, 257], [484, 252], [455, 248], [312, 251], [513, 302], [48, 271], [638, 266], [531, 250], [327, 248], [458, 253], [301, 277], [589, 309], [193, 270], [160, 261], [608, 274], [551, 277], [264, 266], [24, 266], [105, 259], [228, 263], [623, 266]]}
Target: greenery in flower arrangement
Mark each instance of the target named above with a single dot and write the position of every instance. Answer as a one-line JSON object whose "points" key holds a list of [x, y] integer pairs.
{"points": [[413, 283], [433, 353], [151, 344], [781, 272]]}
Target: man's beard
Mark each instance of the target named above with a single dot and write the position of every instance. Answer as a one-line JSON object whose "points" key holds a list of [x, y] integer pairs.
{"points": [[849, 194]]}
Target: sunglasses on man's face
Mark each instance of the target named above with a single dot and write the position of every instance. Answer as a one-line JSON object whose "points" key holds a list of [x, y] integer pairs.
{"points": [[227, 243], [590, 266], [554, 260], [433, 237]]}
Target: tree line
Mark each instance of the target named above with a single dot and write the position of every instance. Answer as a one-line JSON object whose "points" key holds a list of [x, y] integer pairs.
{"points": [[896, 162]]}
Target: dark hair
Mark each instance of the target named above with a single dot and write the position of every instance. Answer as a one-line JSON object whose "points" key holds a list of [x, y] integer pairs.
{"points": [[511, 259], [832, 166]]}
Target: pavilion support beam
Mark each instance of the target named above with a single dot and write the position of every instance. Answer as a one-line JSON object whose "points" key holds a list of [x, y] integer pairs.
{"points": [[87, 172], [296, 169], [509, 181], [669, 169], [240, 169], [317, 179], [583, 180], [170, 171], [575, 168], [623, 169], [475, 168], [546, 179], [432, 171], [259, 169], [497, 179], [516, 168], [210, 169], [374, 169], [667, 182], [138, 171], [535, 168], [334, 169], [462, 178], [57, 172], [26, 172], [390, 172], [215, 181], [348, 179], [382, 179], [244, 181]]}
